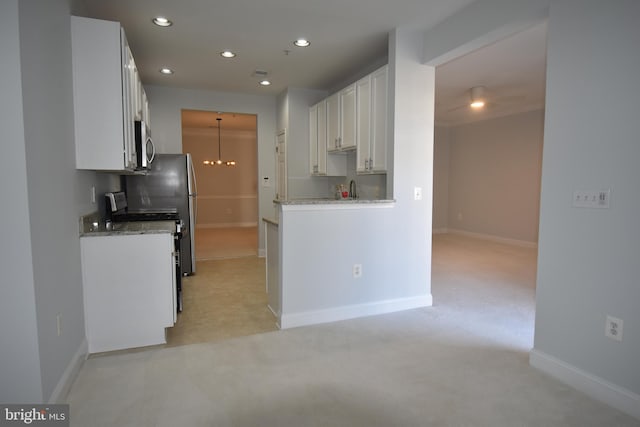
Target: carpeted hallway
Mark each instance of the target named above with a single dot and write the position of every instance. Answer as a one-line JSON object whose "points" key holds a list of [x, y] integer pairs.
{"points": [[462, 362]]}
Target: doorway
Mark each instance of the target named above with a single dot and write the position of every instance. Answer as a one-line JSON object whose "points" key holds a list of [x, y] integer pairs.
{"points": [[487, 172], [225, 156], [226, 297]]}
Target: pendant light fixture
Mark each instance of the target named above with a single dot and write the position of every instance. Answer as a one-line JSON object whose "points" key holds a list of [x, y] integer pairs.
{"points": [[220, 161]]}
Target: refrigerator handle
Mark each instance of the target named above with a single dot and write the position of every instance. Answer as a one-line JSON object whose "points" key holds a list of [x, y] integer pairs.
{"points": [[193, 188]]}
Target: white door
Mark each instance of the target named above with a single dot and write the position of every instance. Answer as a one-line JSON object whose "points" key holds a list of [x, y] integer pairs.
{"points": [[281, 165]]}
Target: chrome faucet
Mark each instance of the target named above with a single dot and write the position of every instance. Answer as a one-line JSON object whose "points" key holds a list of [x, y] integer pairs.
{"points": [[352, 190]]}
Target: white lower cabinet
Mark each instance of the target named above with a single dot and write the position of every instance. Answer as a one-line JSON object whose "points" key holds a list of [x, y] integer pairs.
{"points": [[129, 290]]}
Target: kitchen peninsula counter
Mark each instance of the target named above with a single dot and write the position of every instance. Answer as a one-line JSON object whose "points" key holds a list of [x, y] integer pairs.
{"points": [[321, 201], [327, 261]]}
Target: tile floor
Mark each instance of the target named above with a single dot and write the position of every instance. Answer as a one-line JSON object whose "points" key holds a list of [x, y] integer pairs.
{"points": [[227, 296], [220, 243]]}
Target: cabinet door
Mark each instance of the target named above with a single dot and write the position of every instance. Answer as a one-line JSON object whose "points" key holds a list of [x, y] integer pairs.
{"points": [[363, 123], [333, 122], [348, 118], [97, 69], [129, 290], [322, 137], [130, 86], [313, 140], [379, 110]]}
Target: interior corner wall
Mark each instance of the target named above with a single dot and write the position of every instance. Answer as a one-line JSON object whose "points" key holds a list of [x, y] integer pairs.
{"points": [[440, 178], [20, 379], [494, 176], [58, 193], [588, 258]]}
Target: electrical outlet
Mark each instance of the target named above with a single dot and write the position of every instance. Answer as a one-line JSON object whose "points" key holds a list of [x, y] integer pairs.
{"points": [[357, 271], [613, 328]]}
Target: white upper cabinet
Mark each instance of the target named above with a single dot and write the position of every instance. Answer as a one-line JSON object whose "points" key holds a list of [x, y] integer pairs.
{"points": [[333, 122], [107, 96], [363, 123], [348, 117], [356, 119], [321, 162], [372, 122], [314, 149], [341, 120]]}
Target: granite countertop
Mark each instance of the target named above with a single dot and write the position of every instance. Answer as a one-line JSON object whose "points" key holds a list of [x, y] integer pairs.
{"points": [[321, 201], [93, 226]]}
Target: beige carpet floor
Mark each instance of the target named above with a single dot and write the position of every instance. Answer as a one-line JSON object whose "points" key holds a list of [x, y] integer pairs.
{"points": [[462, 362]]}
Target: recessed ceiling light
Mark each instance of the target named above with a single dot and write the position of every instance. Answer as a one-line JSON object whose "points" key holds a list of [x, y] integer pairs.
{"points": [[227, 54], [302, 42], [161, 21], [265, 82], [167, 71]]}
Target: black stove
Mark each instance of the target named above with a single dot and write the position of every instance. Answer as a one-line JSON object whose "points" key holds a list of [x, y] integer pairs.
{"points": [[155, 215]]}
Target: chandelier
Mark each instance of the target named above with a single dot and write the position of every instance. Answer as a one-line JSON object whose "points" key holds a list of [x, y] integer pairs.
{"points": [[219, 161]]}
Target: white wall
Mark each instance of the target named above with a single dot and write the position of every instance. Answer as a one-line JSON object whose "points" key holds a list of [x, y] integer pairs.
{"points": [[47, 194], [166, 105], [227, 196], [440, 178], [20, 379], [588, 259], [494, 176], [411, 92]]}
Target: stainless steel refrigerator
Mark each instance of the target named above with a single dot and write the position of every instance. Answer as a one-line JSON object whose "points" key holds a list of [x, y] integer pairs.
{"points": [[170, 183]]}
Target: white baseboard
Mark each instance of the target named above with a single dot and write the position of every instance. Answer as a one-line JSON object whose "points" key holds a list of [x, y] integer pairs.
{"points": [[59, 394], [595, 387], [227, 225], [293, 320], [498, 239]]}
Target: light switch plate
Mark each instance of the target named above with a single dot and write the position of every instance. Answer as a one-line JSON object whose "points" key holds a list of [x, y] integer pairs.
{"points": [[591, 199], [417, 193]]}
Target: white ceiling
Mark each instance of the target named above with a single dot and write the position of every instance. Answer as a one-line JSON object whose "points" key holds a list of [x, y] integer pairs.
{"points": [[346, 36], [513, 71]]}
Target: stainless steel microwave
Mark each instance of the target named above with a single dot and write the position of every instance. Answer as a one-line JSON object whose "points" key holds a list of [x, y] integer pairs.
{"points": [[145, 150]]}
